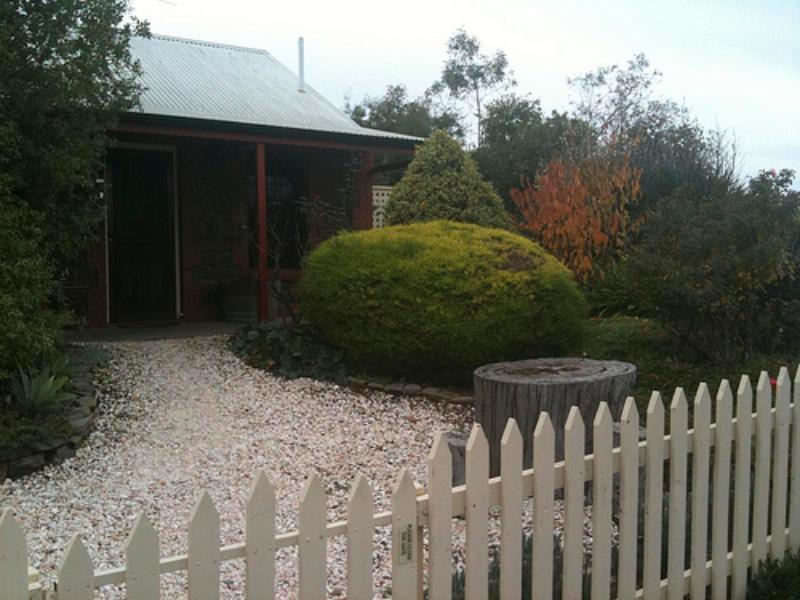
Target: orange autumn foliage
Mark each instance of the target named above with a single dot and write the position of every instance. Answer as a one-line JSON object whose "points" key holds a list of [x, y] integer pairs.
{"points": [[580, 213]]}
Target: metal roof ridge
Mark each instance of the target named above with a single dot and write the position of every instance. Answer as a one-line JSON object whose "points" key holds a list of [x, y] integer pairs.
{"points": [[206, 43]]}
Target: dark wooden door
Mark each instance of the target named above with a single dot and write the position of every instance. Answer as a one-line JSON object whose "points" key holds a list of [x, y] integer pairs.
{"points": [[141, 236]]}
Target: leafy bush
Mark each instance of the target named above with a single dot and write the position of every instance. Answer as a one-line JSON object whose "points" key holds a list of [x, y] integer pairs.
{"points": [[39, 392], [61, 366], [436, 300], [776, 579], [717, 270], [288, 351], [442, 182], [610, 295], [29, 330]]}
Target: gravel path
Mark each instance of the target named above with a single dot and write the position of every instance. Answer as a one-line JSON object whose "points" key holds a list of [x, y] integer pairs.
{"points": [[180, 416]]}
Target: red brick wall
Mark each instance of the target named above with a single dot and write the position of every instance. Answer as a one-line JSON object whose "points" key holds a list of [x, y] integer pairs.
{"points": [[215, 190]]}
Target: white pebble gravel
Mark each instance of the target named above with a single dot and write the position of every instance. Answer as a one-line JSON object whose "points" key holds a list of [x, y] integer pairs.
{"points": [[181, 416]]}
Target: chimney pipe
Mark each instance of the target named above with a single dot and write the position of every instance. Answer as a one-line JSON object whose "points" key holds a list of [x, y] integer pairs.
{"points": [[301, 66]]}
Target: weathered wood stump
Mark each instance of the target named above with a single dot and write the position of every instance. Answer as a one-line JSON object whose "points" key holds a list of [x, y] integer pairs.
{"points": [[524, 389]]}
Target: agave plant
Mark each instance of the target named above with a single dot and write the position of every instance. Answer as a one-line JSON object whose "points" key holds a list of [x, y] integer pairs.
{"points": [[39, 393], [61, 366]]}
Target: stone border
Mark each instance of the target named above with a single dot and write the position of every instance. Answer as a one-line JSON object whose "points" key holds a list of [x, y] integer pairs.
{"points": [[411, 389], [80, 413]]}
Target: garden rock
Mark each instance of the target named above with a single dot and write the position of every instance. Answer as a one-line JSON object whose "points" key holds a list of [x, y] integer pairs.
{"points": [[26, 465]]}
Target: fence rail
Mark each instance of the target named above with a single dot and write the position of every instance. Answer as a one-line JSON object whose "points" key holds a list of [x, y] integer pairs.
{"points": [[734, 479]]}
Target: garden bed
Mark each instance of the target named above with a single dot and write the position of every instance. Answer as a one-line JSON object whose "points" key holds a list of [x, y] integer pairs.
{"points": [[30, 443]]}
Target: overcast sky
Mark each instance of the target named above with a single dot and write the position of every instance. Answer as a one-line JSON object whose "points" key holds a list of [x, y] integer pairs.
{"points": [[734, 63]]}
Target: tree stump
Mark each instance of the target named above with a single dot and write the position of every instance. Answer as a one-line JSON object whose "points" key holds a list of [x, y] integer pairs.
{"points": [[524, 389]]}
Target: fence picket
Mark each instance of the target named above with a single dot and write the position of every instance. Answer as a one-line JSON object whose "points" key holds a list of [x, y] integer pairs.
{"points": [[722, 484], [628, 500], [654, 497], [260, 540], [574, 481], [544, 439], [761, 484], [511, 512], [404, 537], [13, 558], [741, 487], [76, 573], [780, 464], [360, 507], [602, 495], [678, 426], [440, 510], [142, 573], [203, 551], [700, 473], [794, 499], [477, 516], [312, 518], [754, 532]]}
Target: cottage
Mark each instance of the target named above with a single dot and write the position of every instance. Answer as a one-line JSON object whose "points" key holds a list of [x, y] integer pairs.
{"points": [[229, 169]]}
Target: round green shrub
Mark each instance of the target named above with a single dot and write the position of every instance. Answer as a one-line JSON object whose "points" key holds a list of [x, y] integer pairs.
{"points": [[432, 301]]}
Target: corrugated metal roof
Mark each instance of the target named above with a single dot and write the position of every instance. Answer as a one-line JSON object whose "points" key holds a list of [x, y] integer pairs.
{"points": [[205, 80]]}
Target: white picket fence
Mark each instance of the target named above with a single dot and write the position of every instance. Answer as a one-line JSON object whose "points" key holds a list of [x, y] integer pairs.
{"points": [[765, 516]]}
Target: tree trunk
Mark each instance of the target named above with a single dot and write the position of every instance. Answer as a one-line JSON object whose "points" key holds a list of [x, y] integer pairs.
{"points": [[524, 389]]}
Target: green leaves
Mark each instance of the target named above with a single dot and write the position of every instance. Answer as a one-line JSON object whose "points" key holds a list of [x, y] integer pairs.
{"points": [[39, 392], [464, 296], [720, 271], [288, 351], [66, 74], [442, 182], [776, 579]]}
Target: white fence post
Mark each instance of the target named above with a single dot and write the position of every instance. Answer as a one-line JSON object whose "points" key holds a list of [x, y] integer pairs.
{"points": [[13, 559], [654, 497], [794, 499], [511, 512], [678, 426], [700, 472], [76, 573], [477, 516], [142, 575], [628, 501], [602, 494], [544, 439], [574, 480], [761, 485], [203, 544], [260, 540], [780, 463], [312, 564], [440, 510], [721, 490], [741, 487], [360, 530], [404, 538]]}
